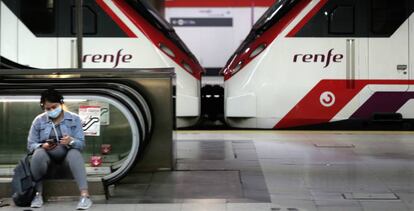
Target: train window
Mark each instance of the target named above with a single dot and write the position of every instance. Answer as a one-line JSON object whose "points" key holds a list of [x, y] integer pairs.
{"points": [[38, 15], [342, 20], [89, 21], [387, 16]]}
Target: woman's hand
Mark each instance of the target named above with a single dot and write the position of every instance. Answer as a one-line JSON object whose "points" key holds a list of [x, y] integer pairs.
{"points": [[48, 146], [66, 140]]}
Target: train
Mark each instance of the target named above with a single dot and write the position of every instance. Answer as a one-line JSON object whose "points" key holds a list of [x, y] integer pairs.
{"points": [[304, 64], [117, 34], [315, 63]]}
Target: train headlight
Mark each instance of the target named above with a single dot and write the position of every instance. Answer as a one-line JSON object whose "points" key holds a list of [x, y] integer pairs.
{"points": [[258, 50], [166, 50], [238, 67], [187, 67]]}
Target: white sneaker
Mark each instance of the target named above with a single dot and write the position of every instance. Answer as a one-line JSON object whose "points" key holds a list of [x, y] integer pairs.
{"points": [[84, 203], [37, 201]]}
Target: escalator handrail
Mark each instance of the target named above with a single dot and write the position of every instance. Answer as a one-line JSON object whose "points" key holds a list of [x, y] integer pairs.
{"points": [[134, 154]]}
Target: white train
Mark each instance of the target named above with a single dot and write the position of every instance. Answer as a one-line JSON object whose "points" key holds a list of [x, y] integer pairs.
{"points": [[318, 62], [117, 34]]}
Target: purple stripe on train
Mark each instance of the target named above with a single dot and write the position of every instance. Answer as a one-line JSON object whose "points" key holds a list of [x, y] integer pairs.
{"points": [[383, 102]]}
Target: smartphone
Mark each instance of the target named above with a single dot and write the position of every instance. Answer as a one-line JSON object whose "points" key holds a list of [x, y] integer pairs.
{"points": [[50, 141]]}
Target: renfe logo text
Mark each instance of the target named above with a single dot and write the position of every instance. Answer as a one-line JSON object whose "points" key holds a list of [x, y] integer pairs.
{"points": [[322, 58], [108, 58]]}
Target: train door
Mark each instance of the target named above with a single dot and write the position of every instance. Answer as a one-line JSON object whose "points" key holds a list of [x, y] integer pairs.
{"points": [[103, 39], [411, 51], [8, 32], [36, 33], [388, 43], [28, 34], [67, 56]]}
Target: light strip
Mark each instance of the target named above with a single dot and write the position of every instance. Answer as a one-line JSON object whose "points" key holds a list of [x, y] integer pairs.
{"points": [[7, 100], [18, 100]]}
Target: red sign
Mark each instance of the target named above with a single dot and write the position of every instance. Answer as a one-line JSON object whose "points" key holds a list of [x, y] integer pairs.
{"points": [[96, 161], [106, 149]]}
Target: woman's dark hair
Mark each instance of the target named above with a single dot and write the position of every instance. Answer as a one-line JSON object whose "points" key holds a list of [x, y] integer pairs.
{"points": [[50, 95]]}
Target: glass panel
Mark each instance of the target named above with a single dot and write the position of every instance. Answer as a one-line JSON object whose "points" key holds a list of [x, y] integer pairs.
{"points": [[270, 15], [89, 21], [267, 20], [155, 19], [16, 117], [38, 15], [387, 15], [341, 20]]}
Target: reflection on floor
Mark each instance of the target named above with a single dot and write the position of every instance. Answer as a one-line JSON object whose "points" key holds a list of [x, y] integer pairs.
{"points": [[296, 170], [206, 169]]}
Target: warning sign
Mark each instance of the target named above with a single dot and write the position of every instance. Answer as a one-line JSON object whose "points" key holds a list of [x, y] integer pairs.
{"points": [[90, 117]]}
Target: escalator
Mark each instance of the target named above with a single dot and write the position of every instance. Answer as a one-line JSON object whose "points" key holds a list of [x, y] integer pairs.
{"points": [[137, 126]]}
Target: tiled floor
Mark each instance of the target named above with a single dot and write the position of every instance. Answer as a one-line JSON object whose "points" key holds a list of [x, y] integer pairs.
{"points": [[275, 171], [225, 170]]}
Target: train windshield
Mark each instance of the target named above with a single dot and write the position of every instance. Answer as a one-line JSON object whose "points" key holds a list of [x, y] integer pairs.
{"points": [[271, 16], [268, 19], [153, 17]]}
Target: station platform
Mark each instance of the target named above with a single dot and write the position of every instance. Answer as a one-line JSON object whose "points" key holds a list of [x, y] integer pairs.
{"points": [[272, 170]]}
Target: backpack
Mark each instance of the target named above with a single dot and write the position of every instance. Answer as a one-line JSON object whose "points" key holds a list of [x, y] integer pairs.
{"points": [[23, 185]]}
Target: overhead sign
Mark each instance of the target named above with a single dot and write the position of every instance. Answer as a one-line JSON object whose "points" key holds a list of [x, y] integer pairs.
{"points": [[201, 22]]}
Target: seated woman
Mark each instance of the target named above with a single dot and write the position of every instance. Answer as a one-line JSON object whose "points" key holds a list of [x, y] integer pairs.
{"points": [[57, 136]]}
